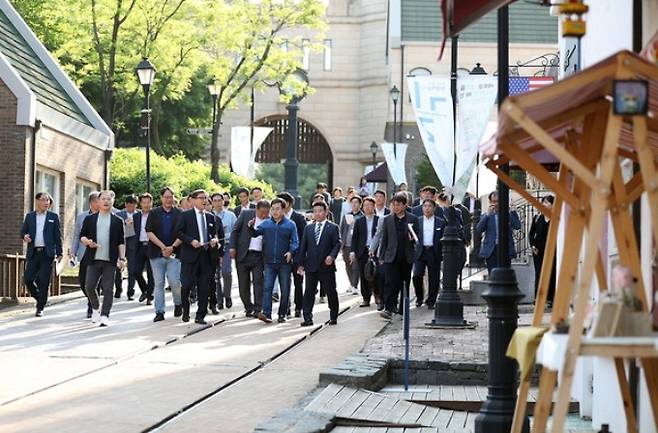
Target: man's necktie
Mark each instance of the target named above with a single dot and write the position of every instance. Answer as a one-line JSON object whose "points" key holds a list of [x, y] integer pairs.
{"points": [[318, 227], [204, 229]]}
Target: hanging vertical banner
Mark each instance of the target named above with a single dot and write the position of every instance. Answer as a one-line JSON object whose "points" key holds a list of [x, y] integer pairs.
{"points": [[242, 160], [476, 96], [395, 165], [432, 102]]}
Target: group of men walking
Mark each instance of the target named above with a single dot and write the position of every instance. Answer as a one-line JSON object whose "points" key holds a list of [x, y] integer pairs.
{"points": [[188, 247]]}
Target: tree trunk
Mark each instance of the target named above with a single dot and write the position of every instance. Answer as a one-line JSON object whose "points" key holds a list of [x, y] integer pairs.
{"points": [[214, 148]]}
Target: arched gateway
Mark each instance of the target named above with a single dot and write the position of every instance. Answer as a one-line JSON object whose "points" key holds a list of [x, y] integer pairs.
{"points": [[313, 152]]}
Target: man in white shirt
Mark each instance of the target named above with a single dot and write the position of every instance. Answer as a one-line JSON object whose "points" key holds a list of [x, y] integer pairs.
{"points": [[138, 248], [428, 254]]}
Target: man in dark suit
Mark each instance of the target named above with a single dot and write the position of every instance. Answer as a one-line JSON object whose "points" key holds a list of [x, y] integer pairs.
{"points": [[489, 225], [78, 248], [396, 251], [137, 251], [243, 196], [42, 234], [380, 204], [346, 229], [428, 254], [300, 222], [105, 254], [365, 228], [317, 260], [127, 214], [197, 229], [247, 252]]}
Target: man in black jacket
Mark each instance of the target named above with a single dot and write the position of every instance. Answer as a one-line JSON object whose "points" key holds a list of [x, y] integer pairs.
{"points": [[365, 228], [428, 254], [396, 251], [300, 222], [317, 259], [102, 235], [197, 229]]}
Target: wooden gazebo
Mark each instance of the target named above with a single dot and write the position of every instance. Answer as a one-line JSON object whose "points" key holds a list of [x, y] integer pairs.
{"points": [[572, 123]]}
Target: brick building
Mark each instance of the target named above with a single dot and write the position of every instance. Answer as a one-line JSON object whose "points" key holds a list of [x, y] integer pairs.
{"points": [[51, 138]]}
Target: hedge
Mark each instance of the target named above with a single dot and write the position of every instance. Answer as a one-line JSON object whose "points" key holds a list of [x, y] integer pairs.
{"points": [[128, 176]]}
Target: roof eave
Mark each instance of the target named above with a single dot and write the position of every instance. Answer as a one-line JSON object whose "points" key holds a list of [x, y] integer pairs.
{"points": [[26, 100]]}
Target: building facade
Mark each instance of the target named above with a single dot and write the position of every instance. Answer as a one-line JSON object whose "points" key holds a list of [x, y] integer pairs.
{"points": [[362, 59], [51, 138]]}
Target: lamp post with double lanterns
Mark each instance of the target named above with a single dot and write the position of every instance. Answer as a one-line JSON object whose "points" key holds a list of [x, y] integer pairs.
{"points": [[146, 75], [474, 258]]}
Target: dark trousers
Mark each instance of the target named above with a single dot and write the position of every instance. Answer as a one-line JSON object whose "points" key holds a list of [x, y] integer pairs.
{"points": [[103, 273], [327, 282], [82, 279], [118, 282], [136, 265], [251, 270], [298, 281], [196, 274], [37, 276], [492, 260], [396, 275], [427, 261], [537, 261], [131, 252], [368, 288]]}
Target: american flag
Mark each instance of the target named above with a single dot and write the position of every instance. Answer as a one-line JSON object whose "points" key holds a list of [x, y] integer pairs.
{"points": [[518, 85]]}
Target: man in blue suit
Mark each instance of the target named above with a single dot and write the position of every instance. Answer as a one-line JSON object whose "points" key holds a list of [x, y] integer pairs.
{"points": [[317, 258], [489, 225], [42, 234], [428, 254]]}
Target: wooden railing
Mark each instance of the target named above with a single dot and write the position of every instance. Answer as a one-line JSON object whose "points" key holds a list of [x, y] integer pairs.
{"points": [[12, 268]]}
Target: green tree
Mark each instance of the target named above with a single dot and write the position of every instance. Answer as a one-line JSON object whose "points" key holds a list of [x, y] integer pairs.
{"points": [[425, 174]]}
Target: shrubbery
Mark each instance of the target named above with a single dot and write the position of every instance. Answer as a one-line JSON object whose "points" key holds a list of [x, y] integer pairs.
{"points": [[128, 175]]}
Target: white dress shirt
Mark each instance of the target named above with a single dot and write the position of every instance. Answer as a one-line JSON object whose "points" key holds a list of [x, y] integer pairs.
{"points": [[143, 237], [256, 244], [41, 223], [380, 212], [428, 231], [370, 220]]}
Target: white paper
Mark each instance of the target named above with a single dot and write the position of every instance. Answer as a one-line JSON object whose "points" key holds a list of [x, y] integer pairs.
{"points": [[242, 160]]}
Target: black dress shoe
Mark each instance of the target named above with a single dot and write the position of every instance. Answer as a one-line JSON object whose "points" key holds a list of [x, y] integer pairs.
{"points": [[275, 297], [220, 305], [229, 303], [178, 310], [200, 321], [306, 323], [186, 317], [39, 313], [117, 295], [130, 298], [282, 319], [298, 313], [149, 301], [248, 314], [364, 304], [333, 322], [419, 304], [158, 317], [380, 307], [142, 297], [213, 310]]}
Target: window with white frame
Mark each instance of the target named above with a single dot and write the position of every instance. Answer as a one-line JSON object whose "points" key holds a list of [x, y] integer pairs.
{"points": [[82, 190], [306, 50], [327, 55], [48, 181]]}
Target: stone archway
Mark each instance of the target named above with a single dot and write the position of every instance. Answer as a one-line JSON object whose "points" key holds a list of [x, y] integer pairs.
{"points": [[313, 151]]}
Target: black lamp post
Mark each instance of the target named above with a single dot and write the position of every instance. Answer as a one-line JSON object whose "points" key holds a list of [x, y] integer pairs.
{"points": [[373, 150], [395, 96], [146, 74], [474, 259], [213, 89], [292, 163], [503, 294]]}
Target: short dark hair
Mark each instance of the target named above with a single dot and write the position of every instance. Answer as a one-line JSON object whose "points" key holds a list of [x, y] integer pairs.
{"points": [[227, 193], [443, 196], [42, 194], [321, 185], [243, 191], [165, 189], [197, 192], [287, 197], [257, 188], [400, 197], [337, 188], [549, 198], [428, 188], [380, 191], [278, 201], [322, 204], [318, 195], [429, 200], [370, 199], [145, 195], [263, 204], [93, 196], [492, 193], [215, 194], [356, 197], [130, 199]]}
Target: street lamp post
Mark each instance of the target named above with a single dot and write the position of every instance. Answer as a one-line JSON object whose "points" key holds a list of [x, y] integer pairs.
{"points": [[213, 89], [395, 95], [474, 257], [292, 163], [373, 150], [146, 74]]}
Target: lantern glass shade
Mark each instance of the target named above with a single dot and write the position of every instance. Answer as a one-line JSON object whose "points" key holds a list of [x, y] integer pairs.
{"points": [[213, 88], [373, 148], [145, 72], [395, 94]]}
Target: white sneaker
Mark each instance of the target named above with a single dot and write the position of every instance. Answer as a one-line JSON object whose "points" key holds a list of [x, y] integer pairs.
{"points": [[322, 299], [355, 291], [105, 321], [95, 316]]}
